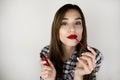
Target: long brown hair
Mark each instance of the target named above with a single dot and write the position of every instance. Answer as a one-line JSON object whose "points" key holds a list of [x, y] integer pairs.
{"points": [[56, 53]]}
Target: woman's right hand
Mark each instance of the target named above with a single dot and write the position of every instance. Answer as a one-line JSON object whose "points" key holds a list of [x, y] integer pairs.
{"points": [[47, 72]]}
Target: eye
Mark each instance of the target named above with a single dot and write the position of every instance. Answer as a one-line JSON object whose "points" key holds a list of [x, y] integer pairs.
{"points": [[63, 23], [78, 23]]}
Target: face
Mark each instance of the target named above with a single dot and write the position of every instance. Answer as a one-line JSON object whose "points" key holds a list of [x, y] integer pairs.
{"points": [[71, 26]]}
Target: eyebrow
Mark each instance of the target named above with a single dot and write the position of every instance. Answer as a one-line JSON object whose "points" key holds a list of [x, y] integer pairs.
{"points": [[75, 18], [78, 18]]}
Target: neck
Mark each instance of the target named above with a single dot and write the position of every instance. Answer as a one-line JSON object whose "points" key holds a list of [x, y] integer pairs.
{"points": [[68, 51]]}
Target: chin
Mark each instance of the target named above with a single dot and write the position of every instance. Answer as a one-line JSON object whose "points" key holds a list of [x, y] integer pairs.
{"points": [[72, 44]]}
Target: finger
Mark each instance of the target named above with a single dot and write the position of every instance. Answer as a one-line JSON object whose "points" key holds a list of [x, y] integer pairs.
{"points": [[92, 51], [88, 61], [88, 55], [91, 56], [46, 74], [42, 62], [46, 71], [84, 65], [78, 64], [43, 75], [47, 68], [51, 64]]}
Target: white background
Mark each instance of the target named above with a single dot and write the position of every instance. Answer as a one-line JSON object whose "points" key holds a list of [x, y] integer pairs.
{"points": [[25, 27]]}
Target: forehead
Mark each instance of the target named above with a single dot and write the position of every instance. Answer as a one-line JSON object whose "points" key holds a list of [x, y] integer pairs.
{"points": [[72, 13]]}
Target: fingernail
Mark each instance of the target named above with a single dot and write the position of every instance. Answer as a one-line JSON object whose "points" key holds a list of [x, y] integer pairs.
{"points": [[88, 47], [77, 58], [44, 62], [83, 54]]}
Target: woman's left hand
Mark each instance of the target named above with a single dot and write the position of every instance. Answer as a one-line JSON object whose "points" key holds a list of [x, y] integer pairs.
{"points": [[86, 64]]}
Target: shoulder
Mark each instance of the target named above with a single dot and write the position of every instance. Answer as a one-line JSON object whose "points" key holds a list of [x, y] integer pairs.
{"points": [[45, 50]]}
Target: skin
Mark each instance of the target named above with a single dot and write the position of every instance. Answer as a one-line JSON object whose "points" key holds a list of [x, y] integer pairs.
{"points": [[71, 24]]}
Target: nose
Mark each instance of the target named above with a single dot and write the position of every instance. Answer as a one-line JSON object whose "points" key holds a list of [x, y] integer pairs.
{"points": [[71, 28]]}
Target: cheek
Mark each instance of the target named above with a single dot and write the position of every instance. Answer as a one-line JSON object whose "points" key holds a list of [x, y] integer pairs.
{"points": [[62, 34], [80, 33]]}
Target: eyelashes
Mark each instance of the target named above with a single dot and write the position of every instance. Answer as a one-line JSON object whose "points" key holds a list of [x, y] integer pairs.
{"points": [[64, 23], [77, 23]]}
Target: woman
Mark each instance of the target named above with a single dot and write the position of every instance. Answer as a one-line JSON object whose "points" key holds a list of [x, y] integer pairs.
{"points": [[67, 58]]}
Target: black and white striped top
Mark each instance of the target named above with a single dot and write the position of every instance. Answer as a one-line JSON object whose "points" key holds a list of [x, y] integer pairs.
{"points": [[70, 64]]}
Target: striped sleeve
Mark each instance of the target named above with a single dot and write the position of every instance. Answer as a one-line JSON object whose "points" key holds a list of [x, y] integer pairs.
{"points": [[45, 50], [99, 58]]}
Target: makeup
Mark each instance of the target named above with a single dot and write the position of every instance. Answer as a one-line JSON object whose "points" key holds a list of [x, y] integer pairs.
{"points": [[43, 58], [72, 36]]}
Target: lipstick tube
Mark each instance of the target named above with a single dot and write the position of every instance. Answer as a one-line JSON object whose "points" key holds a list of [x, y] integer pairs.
{"points": [[43, 58]]}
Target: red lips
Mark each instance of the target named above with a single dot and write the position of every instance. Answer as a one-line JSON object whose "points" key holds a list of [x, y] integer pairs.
{"points": [[72, 36]]}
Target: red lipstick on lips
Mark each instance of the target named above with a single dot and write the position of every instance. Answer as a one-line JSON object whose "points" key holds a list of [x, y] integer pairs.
{"points": [[72, 36]]}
